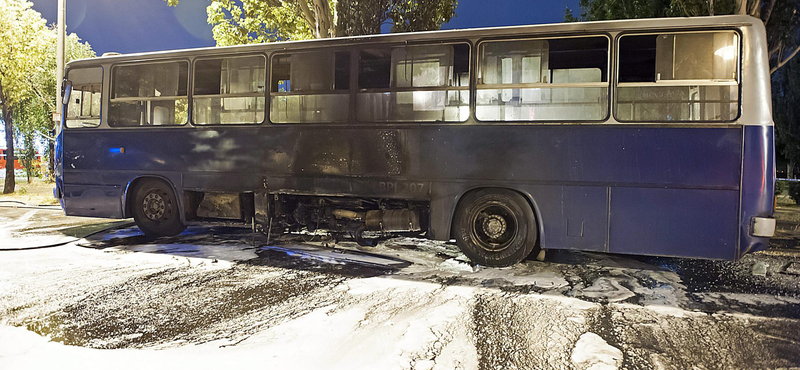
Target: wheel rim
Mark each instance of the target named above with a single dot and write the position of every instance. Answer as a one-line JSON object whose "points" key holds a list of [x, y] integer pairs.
{"points": [[494, 227], [156, 206]]}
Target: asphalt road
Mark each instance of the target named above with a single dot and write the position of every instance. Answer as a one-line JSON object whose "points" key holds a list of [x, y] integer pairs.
{"points": [[301, 302]]}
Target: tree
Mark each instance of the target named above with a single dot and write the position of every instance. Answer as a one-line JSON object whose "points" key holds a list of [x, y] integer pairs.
{"points": [[785, 95], [40, 101], [255, 21], [596, 10], [22, 55], [32, 116], [780, 17]]}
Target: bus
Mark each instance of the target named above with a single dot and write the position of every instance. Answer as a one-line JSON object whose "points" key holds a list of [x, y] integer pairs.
{"points": [[37, 162], [3, 155], [646, 137]]}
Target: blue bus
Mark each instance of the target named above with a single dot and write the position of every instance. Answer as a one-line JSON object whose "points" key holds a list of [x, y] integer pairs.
{"points": [[647, 137]]}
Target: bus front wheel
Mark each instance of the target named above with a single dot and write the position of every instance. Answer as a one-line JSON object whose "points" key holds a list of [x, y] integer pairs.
{"points": [[495, 227], [155, 209]]}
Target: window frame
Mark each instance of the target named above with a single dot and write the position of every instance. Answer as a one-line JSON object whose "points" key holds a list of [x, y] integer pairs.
{"points": [[608, 84], [673, 83], [102, 99], [265, 95], [469, 88], [112, 84], [288, 52]]}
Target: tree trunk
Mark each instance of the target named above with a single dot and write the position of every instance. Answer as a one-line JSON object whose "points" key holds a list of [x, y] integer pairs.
{"points": [[7, 117], [741, 7], [790, 169]]}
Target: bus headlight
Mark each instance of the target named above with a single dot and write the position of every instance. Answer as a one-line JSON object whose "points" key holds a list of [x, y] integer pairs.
{"points": [[763, 227]]}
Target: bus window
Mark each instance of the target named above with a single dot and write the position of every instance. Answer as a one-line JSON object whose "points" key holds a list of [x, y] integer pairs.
{"points": [[564, 79], [229, 91], [153, 94], [420, 83], [678, 77], [83, 109], [310, 87]]}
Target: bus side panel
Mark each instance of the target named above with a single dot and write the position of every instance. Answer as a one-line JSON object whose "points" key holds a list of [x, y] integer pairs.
{"points": [[97, 193], [98, 166], [584, 155], [568, 171], [574, 217], [674, 222], [93, 200], [758, 183]]}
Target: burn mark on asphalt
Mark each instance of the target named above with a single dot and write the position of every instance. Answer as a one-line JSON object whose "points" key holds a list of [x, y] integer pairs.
{"points": [[516, 332], [651, 340], [179, 304], [500, 341], [277, 259]]}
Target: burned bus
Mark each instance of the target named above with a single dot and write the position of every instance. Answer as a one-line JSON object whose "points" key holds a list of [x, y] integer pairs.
{"points": [[648, 137]]}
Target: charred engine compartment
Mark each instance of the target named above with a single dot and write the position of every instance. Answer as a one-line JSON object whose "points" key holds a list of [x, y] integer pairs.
{"points": [[341, 216], [353, 216]]}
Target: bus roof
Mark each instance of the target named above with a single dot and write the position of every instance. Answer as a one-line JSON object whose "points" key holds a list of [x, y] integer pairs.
{"points": [[486, 32]]}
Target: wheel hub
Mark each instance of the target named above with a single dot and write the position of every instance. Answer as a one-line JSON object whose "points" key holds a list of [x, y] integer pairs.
{"points": [[494, 226], [154, 206]]}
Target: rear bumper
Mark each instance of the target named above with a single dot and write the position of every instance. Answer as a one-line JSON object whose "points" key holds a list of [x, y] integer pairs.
{"points": [[763, 227], [758, 189]]}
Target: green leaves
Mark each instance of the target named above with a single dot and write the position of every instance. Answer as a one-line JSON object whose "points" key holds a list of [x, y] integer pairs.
{"points": [[22, 48], [255, 21], [421, 15], [28, 73], [780, 17]]}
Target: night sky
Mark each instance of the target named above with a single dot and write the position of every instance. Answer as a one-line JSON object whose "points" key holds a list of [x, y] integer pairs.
{"points": [[128, 26]]}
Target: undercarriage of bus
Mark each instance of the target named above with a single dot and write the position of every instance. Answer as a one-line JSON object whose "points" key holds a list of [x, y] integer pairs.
{"points": [[365, 220], [492, 226]]}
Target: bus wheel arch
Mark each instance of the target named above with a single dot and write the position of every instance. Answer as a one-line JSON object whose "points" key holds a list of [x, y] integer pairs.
{"points": [[160, 191], [501, 209], [128, 193]]}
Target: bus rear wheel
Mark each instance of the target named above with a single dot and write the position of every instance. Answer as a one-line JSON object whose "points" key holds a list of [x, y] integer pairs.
{"points": [[155, 209], [495, 227]]}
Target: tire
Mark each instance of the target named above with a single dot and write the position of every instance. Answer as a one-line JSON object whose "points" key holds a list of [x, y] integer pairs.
{"points": [[155, 209], [495, 227]]}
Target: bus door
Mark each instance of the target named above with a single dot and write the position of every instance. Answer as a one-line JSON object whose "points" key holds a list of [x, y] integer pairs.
{"points": [[81, 111]]}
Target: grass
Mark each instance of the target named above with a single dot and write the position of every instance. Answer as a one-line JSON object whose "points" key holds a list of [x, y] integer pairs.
{"points": [[39, 191]]}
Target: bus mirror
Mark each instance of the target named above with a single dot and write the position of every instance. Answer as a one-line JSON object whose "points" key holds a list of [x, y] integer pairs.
{"points": [[66, 93]]}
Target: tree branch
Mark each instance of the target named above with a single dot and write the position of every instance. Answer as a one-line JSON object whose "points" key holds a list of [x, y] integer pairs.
{"points": [[48, 137], [309, 17], [753, 7], [786, 60], [47, 102], [683, 7], [740, 7], [768, 11], [775, 49], [324, 17]]}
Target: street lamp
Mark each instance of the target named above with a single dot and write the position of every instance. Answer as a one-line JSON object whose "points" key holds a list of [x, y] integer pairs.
{"points": [[62, 11]]}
